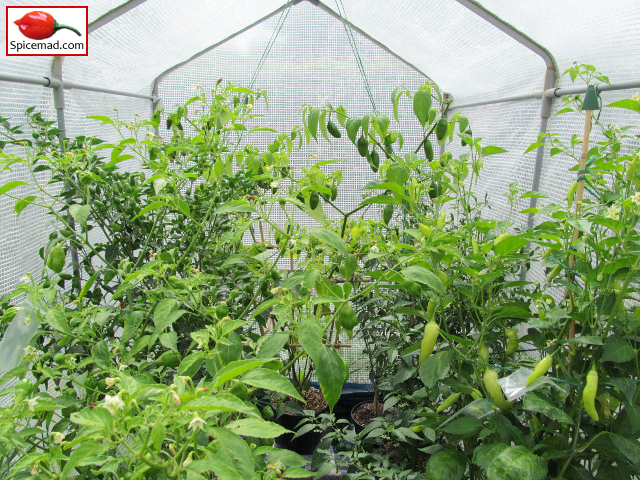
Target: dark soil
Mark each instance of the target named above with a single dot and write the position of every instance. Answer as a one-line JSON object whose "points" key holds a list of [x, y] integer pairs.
{"points": [[315, 400], [364, 413]]}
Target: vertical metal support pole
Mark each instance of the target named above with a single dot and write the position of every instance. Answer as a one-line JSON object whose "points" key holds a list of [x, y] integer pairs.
{"points": [[545, 113], [155, 103], [58, 102]]}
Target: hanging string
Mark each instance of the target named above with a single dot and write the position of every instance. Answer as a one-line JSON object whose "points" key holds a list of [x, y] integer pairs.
{"points": [[352, 41], [270, 43]]}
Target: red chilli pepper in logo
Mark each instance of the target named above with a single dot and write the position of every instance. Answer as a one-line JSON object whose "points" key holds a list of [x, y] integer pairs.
{"points": [[40, 25]]}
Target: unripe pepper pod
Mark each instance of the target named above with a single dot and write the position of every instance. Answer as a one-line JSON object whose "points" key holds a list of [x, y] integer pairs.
{"points": [[589, 394], [490, 380], [450, 400], [431, 332], [39, 25], [540, 369], [512, 341]]}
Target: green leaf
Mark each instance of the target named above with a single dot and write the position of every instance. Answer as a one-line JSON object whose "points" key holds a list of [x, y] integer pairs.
{"points": [[23, 203], [586, 340], [273, 344], [270, 380], [627, 103], [100, 354], [86, 449], [491, 150], [534, 146], [312, 122], [447, 464], [517, 463], [352, 126], [222, 402], [254, 427], [235, 368], [191, 364], [618, 350], [310, 336], [619, 447], [535, 403], [510, 245], [97, 417], [394, 187], [80, 213], [151, 206], [161, 314], [330, 238], [331, 371], [397, 173], [169, 340], [102, 118], [58, 320], [483, 455], [463, 426], [383, 124], [426, 277], [382, 200], [435, 367], [235, 206], [395, 98], [422, 104]]}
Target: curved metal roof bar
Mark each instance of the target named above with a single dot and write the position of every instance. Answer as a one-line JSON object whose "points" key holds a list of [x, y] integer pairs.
{"points": [[549, 82]]}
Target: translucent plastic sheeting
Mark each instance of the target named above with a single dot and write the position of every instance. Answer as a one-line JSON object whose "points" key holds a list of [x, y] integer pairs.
{"points": [[310, 63], [604, 34], [463, 53], [130, 51]]}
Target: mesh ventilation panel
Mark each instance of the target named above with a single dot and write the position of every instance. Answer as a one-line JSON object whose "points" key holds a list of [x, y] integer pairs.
{"points": [[311, 63]]}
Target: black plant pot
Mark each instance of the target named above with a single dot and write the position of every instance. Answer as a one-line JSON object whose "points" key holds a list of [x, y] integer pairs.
{"points": [[359, 427], [304, 444]]}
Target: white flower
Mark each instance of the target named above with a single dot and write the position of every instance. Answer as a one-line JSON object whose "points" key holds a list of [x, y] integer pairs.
{"points": [[196, 423], [636, 97], [58, 437], [268, 168], [613, 212], [123, 366], [636, 198], [32, 402], [274, 184], [374, 249], [110, 381], [113, 403]]}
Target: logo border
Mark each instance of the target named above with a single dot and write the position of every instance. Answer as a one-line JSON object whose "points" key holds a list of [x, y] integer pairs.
{"points": [[86, 13]]}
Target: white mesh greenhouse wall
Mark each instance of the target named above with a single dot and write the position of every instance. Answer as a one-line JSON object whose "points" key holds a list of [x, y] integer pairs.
{"points": [[312, 63]]}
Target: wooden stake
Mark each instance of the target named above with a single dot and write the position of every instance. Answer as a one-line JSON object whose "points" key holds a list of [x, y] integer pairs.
{"points": [[578, 209]]}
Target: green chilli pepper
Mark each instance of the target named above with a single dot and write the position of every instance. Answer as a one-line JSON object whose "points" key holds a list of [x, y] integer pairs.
{"points": [[589, 394], [540, 369]]}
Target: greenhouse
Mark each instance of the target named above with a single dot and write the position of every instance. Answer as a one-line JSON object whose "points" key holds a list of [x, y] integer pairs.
{"points": [[320, 239]]}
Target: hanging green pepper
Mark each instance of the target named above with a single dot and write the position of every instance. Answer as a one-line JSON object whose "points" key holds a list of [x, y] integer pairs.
{"points": [[431, 332], [589, 394], [540, 369]]}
